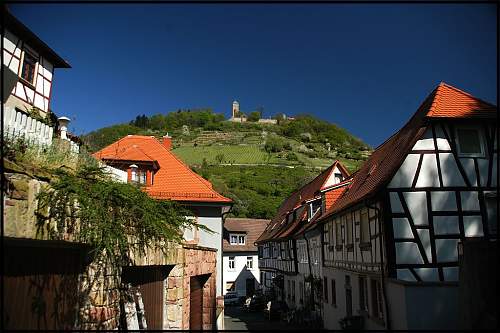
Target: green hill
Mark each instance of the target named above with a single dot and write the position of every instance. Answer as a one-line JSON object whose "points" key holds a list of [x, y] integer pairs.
{"points": [[257, 165]]}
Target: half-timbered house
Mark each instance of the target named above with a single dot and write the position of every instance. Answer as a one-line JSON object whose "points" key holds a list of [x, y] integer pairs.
{"points": [[287, 258], [390, 242]]}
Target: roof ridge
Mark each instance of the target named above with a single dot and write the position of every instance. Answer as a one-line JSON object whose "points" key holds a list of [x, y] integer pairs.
{"points": [[444, 84]]}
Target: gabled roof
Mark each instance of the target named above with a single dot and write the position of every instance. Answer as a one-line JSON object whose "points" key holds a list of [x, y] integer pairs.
{"points": [[444, 101], [20, 30], [253, 228], [174, 180], [277, 227]]}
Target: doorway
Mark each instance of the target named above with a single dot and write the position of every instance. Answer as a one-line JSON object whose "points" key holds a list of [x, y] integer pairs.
{"points": [[250, 287], [196, 301]]}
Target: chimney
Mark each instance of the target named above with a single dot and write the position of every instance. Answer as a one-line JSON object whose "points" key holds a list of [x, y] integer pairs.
{"points": [[167, 141]]}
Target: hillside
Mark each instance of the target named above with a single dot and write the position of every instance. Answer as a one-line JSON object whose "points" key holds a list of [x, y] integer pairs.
{"points": [[257, 165]]}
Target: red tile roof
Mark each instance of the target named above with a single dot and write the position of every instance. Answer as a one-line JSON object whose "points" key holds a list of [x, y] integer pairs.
{"points": [[174, 180], [444, 101], [278, 227], [253, 229], [451, 102]]}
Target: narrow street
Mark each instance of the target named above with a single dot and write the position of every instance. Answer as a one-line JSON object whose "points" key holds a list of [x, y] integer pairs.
{"points": [[236, 318]]}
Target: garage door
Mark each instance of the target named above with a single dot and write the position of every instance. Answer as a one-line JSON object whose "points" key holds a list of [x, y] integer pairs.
{"points": [[40, 285], [149, 281]]}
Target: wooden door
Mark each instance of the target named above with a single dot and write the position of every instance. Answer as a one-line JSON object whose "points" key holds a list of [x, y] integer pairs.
{"points": [[40, 285], [250, 287], [149, 282], [196, 304]]}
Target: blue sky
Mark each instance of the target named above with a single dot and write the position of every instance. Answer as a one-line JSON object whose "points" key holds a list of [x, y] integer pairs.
{"points": [[364, 67]]}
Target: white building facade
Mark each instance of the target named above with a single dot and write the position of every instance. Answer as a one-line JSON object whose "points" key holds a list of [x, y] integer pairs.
{"points": [[241, 272]]}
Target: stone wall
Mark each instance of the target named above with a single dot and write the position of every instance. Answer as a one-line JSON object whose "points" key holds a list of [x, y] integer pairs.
{"points": [[98, 289], [196, 261]]}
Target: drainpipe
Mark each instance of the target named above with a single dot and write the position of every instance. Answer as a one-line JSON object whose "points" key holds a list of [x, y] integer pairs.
{"points": [[378, 216]]}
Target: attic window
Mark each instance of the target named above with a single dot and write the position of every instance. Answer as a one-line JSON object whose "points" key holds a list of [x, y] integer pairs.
{"points": [[29, 63], [338, 178], [237, 239], [469, 142]]}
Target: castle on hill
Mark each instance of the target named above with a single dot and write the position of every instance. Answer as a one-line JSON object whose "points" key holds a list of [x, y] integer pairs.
{"points": [[240, 117]]}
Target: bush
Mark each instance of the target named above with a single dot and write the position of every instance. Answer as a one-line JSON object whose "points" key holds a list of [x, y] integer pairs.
{"points": [[254, 116], [274, 144], [292, 157]]}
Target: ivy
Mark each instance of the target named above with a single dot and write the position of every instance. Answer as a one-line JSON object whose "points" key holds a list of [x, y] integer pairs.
{"points": [[113, 218]]}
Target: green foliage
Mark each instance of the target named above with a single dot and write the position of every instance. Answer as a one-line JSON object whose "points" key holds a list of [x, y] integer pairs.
{"points": [[114, 218], [105, 136], [219, 158], [320, 131], [256, 191], [254, 116], [274, 144]]}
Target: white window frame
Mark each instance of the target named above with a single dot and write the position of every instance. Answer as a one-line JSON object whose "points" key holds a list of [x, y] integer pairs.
{"points": [[244, 239], [231, 239], [231, 263], [481, 141], [249, 262]]}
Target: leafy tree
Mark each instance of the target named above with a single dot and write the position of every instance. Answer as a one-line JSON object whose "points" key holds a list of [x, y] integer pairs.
{"points": [[254, 116]]}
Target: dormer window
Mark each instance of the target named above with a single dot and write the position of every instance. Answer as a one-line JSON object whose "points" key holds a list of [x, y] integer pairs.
{"points": [[235, 239], [28, 71], [138, 175], [338, 178]]}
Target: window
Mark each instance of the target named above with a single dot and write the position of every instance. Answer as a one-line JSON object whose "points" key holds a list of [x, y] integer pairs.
{"points": [[29, 63], [289, 289], [365, 226], [469, 142], [349, 228], [230, 286], [376, 299], [363, 290], [325, 288], [250, 262], [234, 239], [334, 293], [293, 291], [241, 240], [338, 178], [260, 251], [141, 175], [338, 233], [231, 262], [301, 292], [491, 200]]}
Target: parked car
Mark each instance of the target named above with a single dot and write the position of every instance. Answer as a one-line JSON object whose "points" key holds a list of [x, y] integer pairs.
{"points": [[231, 298]]}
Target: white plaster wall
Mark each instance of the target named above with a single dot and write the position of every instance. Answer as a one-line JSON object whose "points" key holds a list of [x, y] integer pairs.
{"points": [[240, 272], [332, 314], [211, 217]]}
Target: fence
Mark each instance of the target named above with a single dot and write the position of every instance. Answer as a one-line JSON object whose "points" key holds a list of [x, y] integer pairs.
{"points": [[17, 124]]}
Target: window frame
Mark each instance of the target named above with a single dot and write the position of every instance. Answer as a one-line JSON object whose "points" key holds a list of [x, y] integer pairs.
{"points": [[22, 76], [231, 262], [480, 137], [249, 260]]}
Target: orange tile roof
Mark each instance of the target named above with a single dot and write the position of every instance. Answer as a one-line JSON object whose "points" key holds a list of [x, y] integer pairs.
{"points": [[444, 101], [174, 180], [451, 102]]}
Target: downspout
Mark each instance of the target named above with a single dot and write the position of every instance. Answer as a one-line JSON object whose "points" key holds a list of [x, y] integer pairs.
{"points": [[378, 215]]}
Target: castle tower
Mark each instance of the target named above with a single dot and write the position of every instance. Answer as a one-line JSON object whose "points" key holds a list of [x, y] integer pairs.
{"points": [[236, 108]]}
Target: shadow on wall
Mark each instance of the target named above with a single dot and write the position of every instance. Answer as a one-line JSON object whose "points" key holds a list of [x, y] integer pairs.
{"points": [[246, 281], [40, 285]]}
